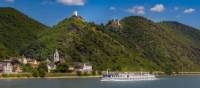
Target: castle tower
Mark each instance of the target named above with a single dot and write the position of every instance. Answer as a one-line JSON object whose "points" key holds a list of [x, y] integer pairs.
{"points": [[56, 57], [75, 13], [118, 23]]}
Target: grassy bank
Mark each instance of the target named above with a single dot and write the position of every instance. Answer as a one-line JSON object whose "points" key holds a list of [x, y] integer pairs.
{"points": [[75, 75], [48, 75]]}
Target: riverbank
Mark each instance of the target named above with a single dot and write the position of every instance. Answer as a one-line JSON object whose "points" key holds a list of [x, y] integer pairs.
{"points": [[48, 76], [63, 77], [73, 75], [177, 73]]}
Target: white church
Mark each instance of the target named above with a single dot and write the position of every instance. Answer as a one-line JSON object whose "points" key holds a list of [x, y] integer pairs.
{"points": [[56, 57]]}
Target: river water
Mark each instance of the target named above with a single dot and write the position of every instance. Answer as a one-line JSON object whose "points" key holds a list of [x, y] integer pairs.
{"points": [[164, 82]]}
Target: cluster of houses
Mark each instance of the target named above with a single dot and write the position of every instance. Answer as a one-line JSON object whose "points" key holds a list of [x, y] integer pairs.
{"points": [[76, 66], [13, 65]]}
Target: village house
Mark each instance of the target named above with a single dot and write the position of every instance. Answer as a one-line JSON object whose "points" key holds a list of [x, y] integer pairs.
{"points": [[71, 68], [10, 66], [7, 67], [1, 67], [51, 67], [33, 62], [83, 67], [24, 60], [18, 69]]}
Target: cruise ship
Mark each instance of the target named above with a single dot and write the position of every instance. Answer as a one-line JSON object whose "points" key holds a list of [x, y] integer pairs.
{"points": [[128, 76]]}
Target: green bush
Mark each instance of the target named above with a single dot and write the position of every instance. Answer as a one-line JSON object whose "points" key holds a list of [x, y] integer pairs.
{"points": [[93, 72], [62, 67], [35, 73], [85, 73], [42, 73], [78, 73]]}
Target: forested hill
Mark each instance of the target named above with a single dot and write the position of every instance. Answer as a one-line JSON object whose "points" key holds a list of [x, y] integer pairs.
{"points": [[17, 31], [132, 43]]}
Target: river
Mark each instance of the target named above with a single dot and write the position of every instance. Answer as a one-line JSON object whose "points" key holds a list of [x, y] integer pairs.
{"points": [[164, 82]]}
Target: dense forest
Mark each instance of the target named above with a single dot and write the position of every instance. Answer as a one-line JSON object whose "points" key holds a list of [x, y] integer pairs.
{"points": [[17, 32], [130, 44]]}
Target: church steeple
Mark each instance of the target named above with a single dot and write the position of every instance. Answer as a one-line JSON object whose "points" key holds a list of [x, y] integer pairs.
{"points": [[56, 56]]}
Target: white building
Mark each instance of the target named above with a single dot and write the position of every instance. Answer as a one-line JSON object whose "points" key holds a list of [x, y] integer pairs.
{"points": [[51, 67], [75, 13], [56, 57], [87, 67], [7, 68], [35, 62], [83, 67], [24, 60]]}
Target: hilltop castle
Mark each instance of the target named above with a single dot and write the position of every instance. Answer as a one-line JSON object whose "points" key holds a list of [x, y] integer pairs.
{"points": [[75, 13]]}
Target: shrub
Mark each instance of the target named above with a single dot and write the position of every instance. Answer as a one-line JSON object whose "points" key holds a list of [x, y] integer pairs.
{"points": [[35, 73], [42, 72], [93, 72], [85, 73], [78, 73]]}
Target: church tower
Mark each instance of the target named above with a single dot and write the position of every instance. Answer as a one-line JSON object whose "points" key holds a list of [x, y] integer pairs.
{"points": [[118, 23], [56, 56]]}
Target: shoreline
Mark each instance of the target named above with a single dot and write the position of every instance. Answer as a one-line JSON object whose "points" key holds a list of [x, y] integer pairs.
{"points": [[59, 77], [54, 76]]}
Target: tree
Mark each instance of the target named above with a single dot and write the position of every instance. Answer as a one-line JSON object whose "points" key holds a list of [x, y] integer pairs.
{"points": [[35, 73], [85, 73], [93, 72], [62, 67], [42, 72], [43, 66], [78, 73], [42, 69], [27, 68]]}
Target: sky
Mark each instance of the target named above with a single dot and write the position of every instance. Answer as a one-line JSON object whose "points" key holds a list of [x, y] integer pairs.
{"points": [[50, 12]]}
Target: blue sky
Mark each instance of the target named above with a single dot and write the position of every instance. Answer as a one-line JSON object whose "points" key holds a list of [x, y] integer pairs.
{"points": [[50, 12]]}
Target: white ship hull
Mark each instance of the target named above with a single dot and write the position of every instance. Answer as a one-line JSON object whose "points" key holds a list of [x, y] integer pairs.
{"points": [[128, 77]]}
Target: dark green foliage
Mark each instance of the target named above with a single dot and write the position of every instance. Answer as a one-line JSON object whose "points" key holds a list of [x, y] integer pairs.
{"points": [[137, 44], [35, 73], [78, 73], [17, 32], [27, 68], [94, 73], [62, 68], [42, 72], [140, 43], [85, 73], [43, 67]]}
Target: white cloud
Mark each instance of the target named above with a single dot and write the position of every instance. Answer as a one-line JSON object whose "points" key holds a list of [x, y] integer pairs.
{"points": [[189, 10], [10, 0], [158, 8], [137, 10], [72, 2], [112, 8]]}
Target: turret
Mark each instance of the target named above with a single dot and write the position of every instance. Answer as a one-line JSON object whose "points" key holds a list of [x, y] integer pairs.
{"points": [[75, 13], [116, 23]]}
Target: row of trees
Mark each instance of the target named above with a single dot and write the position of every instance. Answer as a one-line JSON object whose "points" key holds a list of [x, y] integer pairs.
{"points": [[42, 69]]}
